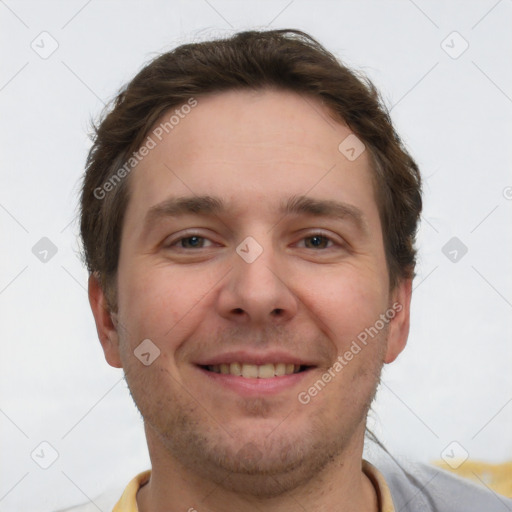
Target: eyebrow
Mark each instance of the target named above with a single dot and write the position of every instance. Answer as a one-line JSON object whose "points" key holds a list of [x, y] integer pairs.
{"points": [[177, 206], [295, 205], [303, 205]]}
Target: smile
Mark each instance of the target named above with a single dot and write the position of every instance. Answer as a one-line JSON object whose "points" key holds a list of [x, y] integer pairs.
{"points": [[255, 371]]}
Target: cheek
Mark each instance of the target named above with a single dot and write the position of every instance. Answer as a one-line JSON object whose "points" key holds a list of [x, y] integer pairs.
{"points": [[159, 303], [346, 301]]}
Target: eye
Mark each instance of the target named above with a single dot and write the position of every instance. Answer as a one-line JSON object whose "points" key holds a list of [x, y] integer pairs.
{"points": [[317, 241], [190, 242]]}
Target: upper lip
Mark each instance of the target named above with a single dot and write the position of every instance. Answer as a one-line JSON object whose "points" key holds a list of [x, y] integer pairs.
{"points": [[257, 358]]}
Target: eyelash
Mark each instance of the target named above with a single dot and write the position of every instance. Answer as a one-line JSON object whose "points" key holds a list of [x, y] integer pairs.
{"points": [[318, 234]]}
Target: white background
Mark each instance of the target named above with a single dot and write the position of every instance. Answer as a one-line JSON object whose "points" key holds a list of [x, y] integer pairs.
{"points": [[453, 382]]}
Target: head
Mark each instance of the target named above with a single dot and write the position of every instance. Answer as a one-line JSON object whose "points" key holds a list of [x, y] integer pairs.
{"points": [[248, 200]]}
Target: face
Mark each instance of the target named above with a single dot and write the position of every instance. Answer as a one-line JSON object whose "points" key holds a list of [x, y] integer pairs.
{"points": [[252, 258]]}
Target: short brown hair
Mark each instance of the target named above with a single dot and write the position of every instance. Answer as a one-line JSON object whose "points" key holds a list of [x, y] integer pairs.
{"points": [[289, 60]]}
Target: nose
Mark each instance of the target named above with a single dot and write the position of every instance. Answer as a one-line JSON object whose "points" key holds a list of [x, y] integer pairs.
{"points": [[257, 291]]}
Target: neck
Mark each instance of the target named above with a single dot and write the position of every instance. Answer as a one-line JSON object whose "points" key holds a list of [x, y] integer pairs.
{"points": [[340, 486]]}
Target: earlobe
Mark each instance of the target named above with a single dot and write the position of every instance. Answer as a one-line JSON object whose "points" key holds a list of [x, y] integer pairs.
{"points": [[399, 324], [106, 324]]}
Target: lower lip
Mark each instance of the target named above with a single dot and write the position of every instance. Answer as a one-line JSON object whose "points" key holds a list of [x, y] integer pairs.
{"points": [[256, 387]]}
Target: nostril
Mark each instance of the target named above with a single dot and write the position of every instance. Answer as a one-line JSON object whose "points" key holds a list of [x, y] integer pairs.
{"points": [[277, 312]]}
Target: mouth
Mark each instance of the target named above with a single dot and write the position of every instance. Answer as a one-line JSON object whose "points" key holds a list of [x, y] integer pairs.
{"points": [[249, 373], [255, 380], [256, 371]]}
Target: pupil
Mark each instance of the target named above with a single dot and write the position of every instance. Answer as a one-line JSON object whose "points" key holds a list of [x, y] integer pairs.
{"points": [[317, 240], [192, 241]]}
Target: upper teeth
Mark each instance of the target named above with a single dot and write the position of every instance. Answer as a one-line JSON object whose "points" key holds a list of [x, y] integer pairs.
{"points": [[255, 371]]}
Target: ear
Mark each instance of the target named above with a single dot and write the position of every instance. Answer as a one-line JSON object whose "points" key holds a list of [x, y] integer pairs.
{"points": [[105, 325], [399, 324]]}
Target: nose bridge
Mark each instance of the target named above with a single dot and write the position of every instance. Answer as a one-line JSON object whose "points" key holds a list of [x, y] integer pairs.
{"points": [[255, 269], [256, 290], [258, 270]]}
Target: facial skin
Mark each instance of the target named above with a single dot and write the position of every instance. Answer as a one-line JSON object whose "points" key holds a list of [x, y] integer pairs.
{"points": [[221, 447]]}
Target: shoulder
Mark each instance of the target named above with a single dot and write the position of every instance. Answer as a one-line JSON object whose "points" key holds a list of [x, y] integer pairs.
{"points": [[419, 487], [115, 500]]}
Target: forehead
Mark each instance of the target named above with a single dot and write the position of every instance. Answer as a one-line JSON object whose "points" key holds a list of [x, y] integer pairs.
{"points": [[266, 142], [256, 126]]}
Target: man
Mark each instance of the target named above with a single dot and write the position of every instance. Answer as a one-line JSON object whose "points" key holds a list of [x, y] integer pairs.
{"points": [[248, 218]]}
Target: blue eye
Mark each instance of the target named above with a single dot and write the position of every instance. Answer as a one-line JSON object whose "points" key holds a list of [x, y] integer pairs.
{"points": [[190, 242]]}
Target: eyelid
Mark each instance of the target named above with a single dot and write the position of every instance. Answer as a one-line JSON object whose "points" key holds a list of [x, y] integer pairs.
{"points": [[335, 239], [305, 233], [175, 238]]}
